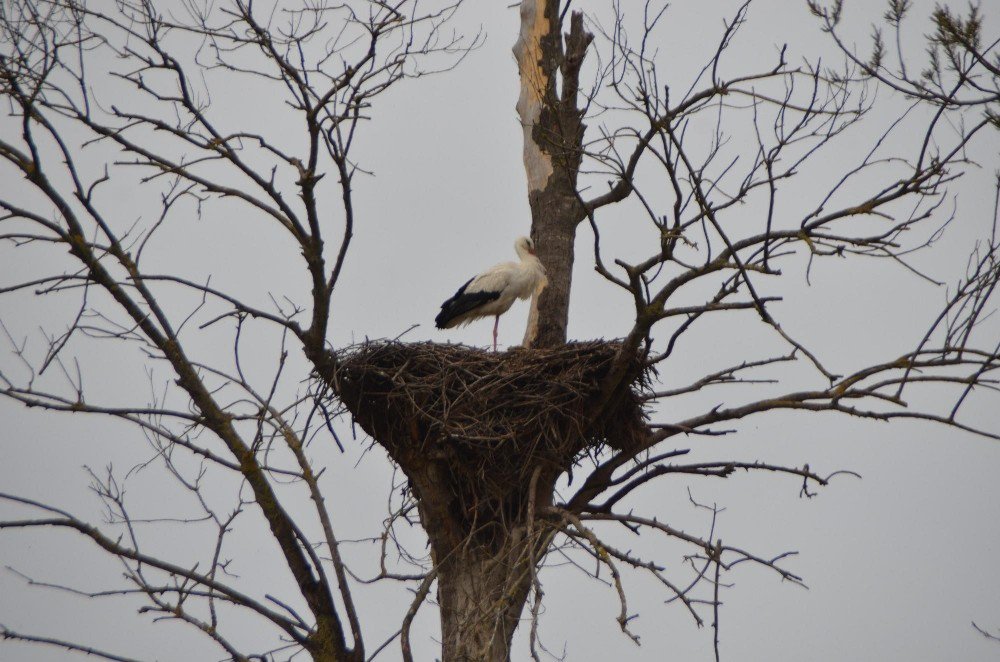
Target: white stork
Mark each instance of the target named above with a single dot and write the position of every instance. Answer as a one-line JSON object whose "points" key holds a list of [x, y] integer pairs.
{"points": [[492, 292]]}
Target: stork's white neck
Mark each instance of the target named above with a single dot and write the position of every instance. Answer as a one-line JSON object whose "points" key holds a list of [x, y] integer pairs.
{"points": [[525, 254]]}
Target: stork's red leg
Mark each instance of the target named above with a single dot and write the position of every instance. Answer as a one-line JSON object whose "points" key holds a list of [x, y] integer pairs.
{"points": [[495, 325]]}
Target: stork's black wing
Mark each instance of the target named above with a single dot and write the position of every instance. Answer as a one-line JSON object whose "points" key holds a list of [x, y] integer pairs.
{"points": [[462, 302]]}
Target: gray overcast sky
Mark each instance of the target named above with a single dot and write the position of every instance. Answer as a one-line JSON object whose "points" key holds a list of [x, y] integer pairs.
{"points": [[898, 564]]}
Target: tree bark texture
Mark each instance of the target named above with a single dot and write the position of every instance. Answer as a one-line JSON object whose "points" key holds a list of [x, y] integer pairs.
{"points": [[484, 564], [553, 145], [481, 596]]}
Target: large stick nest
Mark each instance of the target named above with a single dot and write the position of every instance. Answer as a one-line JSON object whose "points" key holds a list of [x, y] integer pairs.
{"points": [[490, 418]]}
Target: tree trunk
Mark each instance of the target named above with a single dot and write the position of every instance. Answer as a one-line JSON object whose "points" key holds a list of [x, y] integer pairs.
{"points": [[484, 562], [481, 595], [486, 543], [553, 146]]}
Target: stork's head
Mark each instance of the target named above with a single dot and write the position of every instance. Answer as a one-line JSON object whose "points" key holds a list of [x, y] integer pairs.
{"points": [[524, 245]]}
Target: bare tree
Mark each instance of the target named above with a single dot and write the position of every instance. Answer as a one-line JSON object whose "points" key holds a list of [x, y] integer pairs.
{"points": [[507, 459]]}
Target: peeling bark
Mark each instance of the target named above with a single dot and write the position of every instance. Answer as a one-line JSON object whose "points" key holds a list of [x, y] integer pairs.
{"points": [[535, 80], [531, 332], [553, 142]]}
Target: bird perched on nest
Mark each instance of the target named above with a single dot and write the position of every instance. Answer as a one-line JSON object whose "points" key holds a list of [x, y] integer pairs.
{"points": [[492, 292]]}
